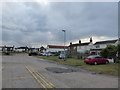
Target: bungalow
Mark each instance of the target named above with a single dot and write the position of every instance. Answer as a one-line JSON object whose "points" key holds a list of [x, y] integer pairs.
{"points": [[24, 49], [7, 48], [98, 46], [54, 48], [1, 48]]}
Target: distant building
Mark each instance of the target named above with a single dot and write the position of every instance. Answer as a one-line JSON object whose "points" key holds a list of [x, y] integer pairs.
{"points": [[24, 49], [98, 46], [42, 49], [7, 48], [55, 48], [1, 48], [82, 49]]}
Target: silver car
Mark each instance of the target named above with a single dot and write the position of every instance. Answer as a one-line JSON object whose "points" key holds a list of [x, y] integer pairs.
{"points": [[62, 56]]}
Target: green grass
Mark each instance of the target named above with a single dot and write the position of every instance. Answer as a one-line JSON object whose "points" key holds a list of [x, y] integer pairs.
{"points": [[111, 68]]}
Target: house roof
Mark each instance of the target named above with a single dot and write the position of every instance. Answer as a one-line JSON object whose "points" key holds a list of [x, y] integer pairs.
{"points": [[22, 48], [54, 46], [104, 42], [80, 44], [1, 46], [5, 47]]}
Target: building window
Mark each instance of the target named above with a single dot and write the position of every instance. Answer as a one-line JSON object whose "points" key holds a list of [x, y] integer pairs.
{"points": [[79, 47], [74, 47], [97, 46]]}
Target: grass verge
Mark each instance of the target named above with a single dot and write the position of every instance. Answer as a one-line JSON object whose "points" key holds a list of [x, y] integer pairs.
{"points": [[111, 68]]}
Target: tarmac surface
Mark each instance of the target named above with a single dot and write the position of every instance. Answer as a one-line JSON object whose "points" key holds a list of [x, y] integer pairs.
{"points": [[23, 71]]}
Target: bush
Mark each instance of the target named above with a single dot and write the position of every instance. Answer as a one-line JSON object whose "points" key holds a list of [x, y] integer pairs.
{"points": [[110, 52]]}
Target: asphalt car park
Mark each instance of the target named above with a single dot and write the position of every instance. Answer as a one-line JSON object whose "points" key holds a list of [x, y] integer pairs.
{"points": [[23, 71]]}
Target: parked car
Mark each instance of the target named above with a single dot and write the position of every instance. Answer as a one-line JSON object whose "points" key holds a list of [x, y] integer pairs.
{"points": [[33, 52], [62, 56], [44, 54], [110, 59], [95, 60], [49, 54], [40, 54], [56, 54], [6, 52]]}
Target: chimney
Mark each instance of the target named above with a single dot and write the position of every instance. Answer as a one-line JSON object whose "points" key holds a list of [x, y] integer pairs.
{"points": [[79, 41], [91, 39]]}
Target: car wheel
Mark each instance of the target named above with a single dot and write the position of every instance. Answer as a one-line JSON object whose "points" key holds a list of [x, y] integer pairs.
{"points": [[29, 54], [95, 63], [107, 62]]}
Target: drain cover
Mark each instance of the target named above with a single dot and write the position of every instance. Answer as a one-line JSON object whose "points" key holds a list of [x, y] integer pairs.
{"points": [[59, 70]]}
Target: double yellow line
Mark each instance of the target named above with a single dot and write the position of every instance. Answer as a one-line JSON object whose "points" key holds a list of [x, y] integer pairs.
{"points": [[40, 78]]}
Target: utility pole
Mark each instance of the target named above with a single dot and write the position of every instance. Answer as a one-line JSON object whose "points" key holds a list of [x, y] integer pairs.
{"points": [[64, 43]]}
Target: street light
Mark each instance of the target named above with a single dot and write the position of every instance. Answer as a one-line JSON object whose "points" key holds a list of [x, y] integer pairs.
{"points": [[64, 42]]}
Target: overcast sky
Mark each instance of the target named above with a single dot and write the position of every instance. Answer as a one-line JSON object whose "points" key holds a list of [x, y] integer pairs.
{"points": [[41, 23]]}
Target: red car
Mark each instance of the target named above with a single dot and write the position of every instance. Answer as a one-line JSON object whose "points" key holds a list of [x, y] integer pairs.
{"points": [[95, 60]]}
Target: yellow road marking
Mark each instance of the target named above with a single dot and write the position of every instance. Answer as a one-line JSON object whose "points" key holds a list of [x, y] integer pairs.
{"points": [[46, 79], [45, 83], [41, 75], [42, 79], [36, 78]]}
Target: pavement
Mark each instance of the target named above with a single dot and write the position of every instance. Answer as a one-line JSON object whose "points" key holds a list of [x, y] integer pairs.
{"points": [[23, 71]]}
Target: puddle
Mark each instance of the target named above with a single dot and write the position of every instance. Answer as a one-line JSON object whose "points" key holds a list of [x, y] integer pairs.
{"points": [[59, 70]]}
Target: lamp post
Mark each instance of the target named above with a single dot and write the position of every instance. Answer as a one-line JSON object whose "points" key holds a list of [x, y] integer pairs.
{"points": [[64, 43]]}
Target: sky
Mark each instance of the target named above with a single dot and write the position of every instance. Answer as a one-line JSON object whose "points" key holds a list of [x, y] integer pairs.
{"points": [[41, 23]]}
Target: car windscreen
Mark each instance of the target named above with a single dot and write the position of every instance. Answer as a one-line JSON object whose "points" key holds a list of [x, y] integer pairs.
{"points": [[90, 56]]}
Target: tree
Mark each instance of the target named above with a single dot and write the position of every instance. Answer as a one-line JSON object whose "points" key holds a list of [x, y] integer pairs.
{"points": [[118, 51], [110, 52], [104, 53]]}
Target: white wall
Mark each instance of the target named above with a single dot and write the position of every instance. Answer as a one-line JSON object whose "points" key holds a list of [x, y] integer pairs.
{"points": [[54, 50], [19, 50], [102, 45], [117, 43], [83, 49]]}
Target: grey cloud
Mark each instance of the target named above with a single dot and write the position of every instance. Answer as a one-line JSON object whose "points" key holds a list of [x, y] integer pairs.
{"points": [[96, 19], [26, 23]]}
